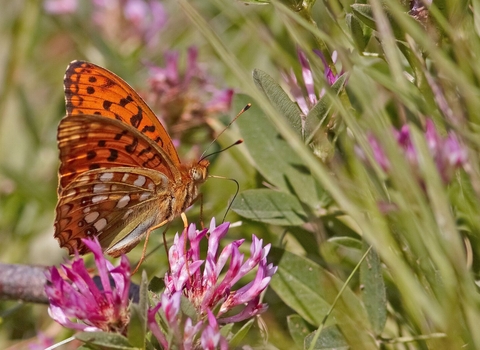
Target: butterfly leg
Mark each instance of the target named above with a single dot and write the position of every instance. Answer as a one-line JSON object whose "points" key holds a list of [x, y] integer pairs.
{"points": [[200, 198], [185, 220], [145, 244]]}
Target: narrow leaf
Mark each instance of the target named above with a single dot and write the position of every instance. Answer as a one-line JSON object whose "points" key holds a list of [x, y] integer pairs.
{"points": [[240, 335], [373, 291], [105, 340], [298, 329], [270, 206], [319, 112], [137, 327], [359, 39], [277, 162], [365, 14], [310, 290], [279, 99], [330, 339]]}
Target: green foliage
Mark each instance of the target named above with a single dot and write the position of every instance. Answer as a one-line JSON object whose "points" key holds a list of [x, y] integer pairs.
{"points": [[310, 183]]}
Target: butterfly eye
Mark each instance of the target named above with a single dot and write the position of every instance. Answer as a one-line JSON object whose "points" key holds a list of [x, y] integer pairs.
{"points": [[198, 174]]}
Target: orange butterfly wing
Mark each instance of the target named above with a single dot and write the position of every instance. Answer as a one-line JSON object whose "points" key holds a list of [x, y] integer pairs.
{"points": [[93, 90]]}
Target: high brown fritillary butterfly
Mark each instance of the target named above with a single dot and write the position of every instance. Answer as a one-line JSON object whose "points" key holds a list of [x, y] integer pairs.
{"points": [[120, 174]]}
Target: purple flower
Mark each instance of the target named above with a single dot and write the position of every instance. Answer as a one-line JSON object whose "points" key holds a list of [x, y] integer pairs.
{"points": [[204, 287], [206, 291], [183, 334], [211, 338], [60, 7], [41, 342], [185, 98], [130, 22], [104, 308], [447, 152], [305, 95]]}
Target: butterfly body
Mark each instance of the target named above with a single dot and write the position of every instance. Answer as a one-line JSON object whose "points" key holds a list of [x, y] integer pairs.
{"points": [[120, 174]]}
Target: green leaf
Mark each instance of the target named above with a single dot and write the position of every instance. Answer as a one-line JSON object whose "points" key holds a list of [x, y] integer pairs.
{"points": [[277, 162], [319, 112], [365, 14], [226, 329], [240, 335], [310, 290], [359, 39], [137, 327], [270, 206], [305, 238], [105, 340], [330, 339], [344, 251], [298, 329], [279, 99], [188, 309], [373, 291]]}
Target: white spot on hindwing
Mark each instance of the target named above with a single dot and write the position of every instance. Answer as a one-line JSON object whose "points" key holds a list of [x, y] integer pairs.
{"points": [[84, 178], [71, 192], [127, 214], [122, 202], [100, 224], [144, 196], [125, 177], [65, 209], [106, 177], [92, 217], [99, 188], [96, 199], [140, 181]]}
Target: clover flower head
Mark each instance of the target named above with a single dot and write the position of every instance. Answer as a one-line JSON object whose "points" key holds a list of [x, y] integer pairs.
{"points": [[186, 96], [97, 307], [205, 288], [212, 296]]}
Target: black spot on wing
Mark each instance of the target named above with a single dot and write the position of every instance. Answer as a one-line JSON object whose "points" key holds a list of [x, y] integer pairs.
{"points": [[136, 119], [149, 128], [125, 101], [91, 154], [113, 155], [131, 147], [120, 135], [107, 104]]}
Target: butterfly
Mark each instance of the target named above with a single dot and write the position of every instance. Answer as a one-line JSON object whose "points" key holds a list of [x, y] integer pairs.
{"points": [[120, 175]]}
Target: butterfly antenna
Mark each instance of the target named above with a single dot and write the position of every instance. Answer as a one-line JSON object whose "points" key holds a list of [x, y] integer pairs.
{"points": [[223, 149], [244, 109], [235, 195]]}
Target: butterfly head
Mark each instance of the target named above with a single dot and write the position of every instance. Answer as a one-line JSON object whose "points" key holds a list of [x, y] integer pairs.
{"points": [[198, 171]]}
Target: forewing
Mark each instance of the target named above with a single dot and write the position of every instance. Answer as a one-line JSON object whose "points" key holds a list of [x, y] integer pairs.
{"points": [[91, 89]]}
